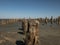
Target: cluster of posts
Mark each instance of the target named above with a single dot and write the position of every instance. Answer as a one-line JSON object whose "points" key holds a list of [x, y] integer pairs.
{"points": [[41, 20], [31, 31], [50, 20], [7, 21]]}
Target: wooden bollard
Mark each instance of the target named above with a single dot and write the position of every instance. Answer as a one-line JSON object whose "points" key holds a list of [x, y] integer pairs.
{"points": [[46, 20], [25, 27], [32, 38], [51, 20], [58, 20]]}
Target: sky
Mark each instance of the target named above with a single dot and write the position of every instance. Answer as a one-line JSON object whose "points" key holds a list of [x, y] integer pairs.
{"points": [[29, 8]]}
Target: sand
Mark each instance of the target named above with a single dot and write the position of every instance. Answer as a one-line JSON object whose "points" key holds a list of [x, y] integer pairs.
{"points": [[10, 34]]}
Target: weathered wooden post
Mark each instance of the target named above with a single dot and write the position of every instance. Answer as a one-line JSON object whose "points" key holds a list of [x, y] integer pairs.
{"points": [[32, 38], [54, 20], [37, 41], [46, 20], [25, 27], [58, 20], [51, 20]]}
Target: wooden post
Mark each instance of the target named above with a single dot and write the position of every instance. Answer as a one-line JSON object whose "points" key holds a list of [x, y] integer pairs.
{"points": [[51, 20], [58, 20], [25, 27], [46, 20], [32, 38]]}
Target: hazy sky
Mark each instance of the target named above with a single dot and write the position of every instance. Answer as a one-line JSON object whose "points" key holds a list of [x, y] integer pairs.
{"points": [[29, 8]]}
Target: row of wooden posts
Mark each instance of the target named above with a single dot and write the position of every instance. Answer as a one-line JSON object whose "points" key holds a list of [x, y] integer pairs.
{"points": [[57, 20], [31, 31], [41, 20], [51, 20], [7, 21]]}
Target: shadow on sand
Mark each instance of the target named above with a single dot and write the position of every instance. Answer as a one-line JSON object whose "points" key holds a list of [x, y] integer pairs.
{"points": [[20, 43], [20, 29], [21, 33]]}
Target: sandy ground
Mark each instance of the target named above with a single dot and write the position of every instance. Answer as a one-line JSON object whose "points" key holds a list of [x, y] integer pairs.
{"points": [[50, 34], [10, 34]]}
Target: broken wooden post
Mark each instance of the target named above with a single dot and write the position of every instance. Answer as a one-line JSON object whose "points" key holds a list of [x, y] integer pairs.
{"points": [[51, 20], [58, 20], [46, 20], [25, 26], [32, 38]]}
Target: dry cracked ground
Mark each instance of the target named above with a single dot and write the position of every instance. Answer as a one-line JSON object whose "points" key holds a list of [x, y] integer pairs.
{"points": [[10, 34]]}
